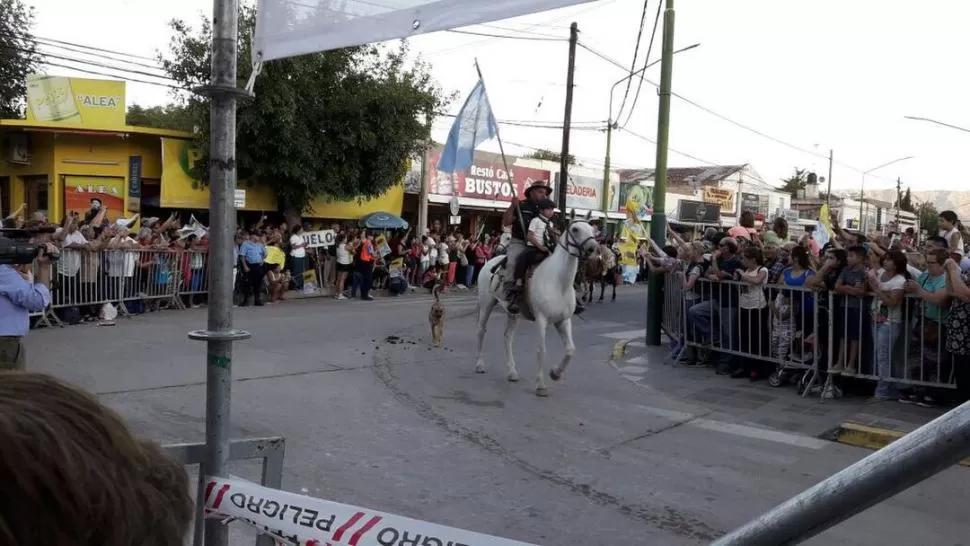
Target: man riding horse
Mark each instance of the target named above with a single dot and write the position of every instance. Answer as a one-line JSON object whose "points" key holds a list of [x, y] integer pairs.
{"points": [[519, 215]]}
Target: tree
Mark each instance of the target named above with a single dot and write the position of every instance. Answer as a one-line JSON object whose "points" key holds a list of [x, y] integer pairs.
{"points": [[339, 124], [172, 116], [549, 155], [18, 56], [795, 182], [906, 203], [929, 217]]}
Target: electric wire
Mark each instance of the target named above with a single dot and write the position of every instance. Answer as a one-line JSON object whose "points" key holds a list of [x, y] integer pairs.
{"points": [[636, 52], [646, 63], [738, 124]]}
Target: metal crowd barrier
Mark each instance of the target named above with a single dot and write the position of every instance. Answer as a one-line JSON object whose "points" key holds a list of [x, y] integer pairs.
{"points": [[270, 450], [126, 278], [811, 335]]}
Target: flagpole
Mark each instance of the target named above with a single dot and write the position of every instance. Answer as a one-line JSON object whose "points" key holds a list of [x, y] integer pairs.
{"points": [[501, 149]]}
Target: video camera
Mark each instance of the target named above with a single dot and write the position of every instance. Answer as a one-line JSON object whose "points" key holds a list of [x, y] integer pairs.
{"points": [[15, 248]]}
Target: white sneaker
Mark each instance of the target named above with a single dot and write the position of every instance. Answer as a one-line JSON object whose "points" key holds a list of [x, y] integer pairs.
{"points": [[341, 297]]}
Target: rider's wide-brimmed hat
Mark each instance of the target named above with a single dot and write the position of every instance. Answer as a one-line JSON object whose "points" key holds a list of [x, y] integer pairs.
{"points": [[538, 184]]}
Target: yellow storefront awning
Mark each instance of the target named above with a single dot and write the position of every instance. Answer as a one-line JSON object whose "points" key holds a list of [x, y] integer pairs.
{"points": [[180, 190], [392, 201]]}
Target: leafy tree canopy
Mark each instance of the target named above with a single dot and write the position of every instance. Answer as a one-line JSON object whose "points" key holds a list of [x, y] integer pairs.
{"points": [[172, 116], [18, 56], [339, 124], [795, 182], [906, 202], [549, 155], [929, 217]]}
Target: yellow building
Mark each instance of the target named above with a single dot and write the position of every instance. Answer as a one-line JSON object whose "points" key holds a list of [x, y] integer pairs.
{"points": [[75, 146]]}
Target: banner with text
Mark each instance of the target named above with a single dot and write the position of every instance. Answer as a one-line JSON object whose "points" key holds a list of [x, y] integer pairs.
{"points": [[315, 239], [582, 192], [95, 103], [722, 197], [306, 521], [487, 179], [81, 192]]}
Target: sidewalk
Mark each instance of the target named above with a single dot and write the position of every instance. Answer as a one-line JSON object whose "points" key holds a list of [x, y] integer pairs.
{"points": [[849, 420]]}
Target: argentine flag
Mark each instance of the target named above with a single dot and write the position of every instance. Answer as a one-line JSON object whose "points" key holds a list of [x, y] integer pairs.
{"points": [[473, 125]]}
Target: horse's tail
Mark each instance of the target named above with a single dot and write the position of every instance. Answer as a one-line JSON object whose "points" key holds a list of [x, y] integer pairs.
{"points": [[436, 292]]}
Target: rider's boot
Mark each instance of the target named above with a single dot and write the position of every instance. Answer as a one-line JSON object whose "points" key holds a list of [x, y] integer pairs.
{"points": [[579, 307]]}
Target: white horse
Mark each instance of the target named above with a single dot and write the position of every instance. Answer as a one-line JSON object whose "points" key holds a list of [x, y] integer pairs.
{"points": [[549, 297]]}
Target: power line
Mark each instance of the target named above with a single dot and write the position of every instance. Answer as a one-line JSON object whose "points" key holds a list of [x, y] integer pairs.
{"points": [[36, 38], [583, 125], [646, 62], [767, 185], [636, 51], [82, 52], [777, 140], [595, 6], [508, 37], [96, 73], [99, 65]]}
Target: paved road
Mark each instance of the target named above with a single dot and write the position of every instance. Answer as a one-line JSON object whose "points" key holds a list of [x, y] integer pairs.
{"points": [[412, 430]]}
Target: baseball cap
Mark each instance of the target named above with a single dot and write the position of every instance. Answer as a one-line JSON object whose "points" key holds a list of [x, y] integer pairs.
{"points": [[546, 204]]}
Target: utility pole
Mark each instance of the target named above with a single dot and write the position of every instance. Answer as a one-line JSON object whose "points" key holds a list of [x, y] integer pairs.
{"points": [[828, 191], [606, 171], [567, 122], [219, 335], [658, 223], [899, 199]]}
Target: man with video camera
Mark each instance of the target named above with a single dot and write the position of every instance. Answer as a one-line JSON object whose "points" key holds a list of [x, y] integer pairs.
{"points": [[20, 295]]}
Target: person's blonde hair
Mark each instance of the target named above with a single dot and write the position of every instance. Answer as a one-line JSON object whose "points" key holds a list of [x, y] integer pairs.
{"points": [[73, 474]]}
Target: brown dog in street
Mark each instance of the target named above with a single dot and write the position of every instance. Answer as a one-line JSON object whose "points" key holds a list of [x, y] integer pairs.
{"points": [[436, 316]]}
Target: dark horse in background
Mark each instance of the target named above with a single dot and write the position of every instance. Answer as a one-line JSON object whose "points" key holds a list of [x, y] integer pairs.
{"points": [[602, 268]]}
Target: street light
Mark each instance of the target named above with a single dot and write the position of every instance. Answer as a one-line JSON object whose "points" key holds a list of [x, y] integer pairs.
{"points": [[928, 120], [609, 121], [862, 187]]}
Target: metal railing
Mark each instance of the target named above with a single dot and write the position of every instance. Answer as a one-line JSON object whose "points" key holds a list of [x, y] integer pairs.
{"points": [[812, 335], [270, 450], [130, 279]]}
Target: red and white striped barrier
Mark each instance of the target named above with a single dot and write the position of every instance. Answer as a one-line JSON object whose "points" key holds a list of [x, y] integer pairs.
{"points": [[306, 521]]}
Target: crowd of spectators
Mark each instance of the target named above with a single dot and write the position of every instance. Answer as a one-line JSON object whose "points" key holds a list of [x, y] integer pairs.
{"points": [[163, 263], [898, 309]]}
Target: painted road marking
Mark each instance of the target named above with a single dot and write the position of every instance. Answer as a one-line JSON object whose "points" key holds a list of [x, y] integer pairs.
{"points": [[744, 431], [638, 361], [629, 334], [633, 370]]}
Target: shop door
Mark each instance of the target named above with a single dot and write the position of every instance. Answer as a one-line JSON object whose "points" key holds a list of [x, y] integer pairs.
{"points": [[36, 192]]}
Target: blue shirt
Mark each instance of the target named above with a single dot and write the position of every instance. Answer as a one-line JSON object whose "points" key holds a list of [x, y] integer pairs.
{"points": [[253, 253], [19, 298]]}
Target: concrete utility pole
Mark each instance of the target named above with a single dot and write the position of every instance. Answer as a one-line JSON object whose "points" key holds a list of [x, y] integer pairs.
{"points": [[222, 93], [658, 223], [567, 119]]}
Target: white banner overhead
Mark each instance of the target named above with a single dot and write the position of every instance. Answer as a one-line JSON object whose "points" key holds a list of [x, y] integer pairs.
{"points": [[285, 28]]}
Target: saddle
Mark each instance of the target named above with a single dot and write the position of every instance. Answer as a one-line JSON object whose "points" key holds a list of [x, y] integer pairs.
{"points": [[525, 311]]}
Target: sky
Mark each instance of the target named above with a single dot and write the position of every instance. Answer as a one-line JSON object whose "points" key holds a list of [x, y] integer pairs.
{"points": [[778, 83]]}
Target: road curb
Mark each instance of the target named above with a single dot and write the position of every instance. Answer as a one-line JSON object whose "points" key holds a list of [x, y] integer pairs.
{"points": [[619, 348], [874, 438]]}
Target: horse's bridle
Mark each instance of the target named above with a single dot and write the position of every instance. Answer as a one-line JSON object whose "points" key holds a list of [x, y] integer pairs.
{"points": [[571, 243]]}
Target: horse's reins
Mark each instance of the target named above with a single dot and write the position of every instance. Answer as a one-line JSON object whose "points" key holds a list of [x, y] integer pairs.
{"points": [[572, 244]]}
